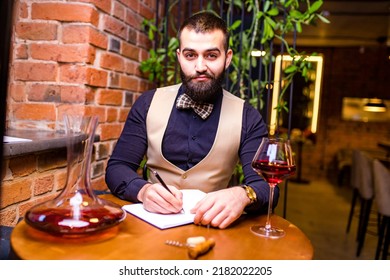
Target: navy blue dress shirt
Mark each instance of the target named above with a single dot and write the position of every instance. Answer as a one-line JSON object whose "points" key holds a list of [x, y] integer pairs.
{"points": [[187, 140]]}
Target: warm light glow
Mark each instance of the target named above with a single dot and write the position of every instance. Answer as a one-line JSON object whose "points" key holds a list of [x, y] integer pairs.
{"points": [[257, 53], [375, 105], [317, 88], [93, 220]]}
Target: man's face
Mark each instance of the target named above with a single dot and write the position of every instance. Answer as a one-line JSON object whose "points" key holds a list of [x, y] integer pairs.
{"points": [[203, 61]]}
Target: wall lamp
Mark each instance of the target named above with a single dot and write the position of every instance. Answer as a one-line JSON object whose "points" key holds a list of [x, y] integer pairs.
{"points": [[375, 105]]}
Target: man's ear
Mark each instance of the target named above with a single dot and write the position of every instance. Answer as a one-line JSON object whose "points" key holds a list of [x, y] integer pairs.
{"points": [[178, 56], [229, 56]]}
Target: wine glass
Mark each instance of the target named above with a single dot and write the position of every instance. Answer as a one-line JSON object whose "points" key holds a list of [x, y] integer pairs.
{"points": [[274, 161]]}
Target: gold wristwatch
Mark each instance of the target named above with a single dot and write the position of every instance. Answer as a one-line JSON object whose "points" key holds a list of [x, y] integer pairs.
{"points": [[250, 193]]}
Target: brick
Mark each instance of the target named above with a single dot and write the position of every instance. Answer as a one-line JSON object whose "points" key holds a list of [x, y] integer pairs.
{"points": [[90, 96], [132, 36], [128, 99], [18, 92], [63, 53], [60, 179], [36, 112], [133, 19], [43, 184], [112, 114], [109, 97], [52, 160], [84, 34], [133, 5], [102, 151], [132, 68], [100, 112], [123, 114], [104, 5], [143, 41], [151, 4], [35, 71], [67, 12], [114, 80], [114, 45], [23, 165], [15, 191], [130, 51], [128, 83], [44, 92], [110, 131], [72, 73], [69, 108], [8, 217], [23, 10], [73, 94], [21, 51], [115, 27], [112, 62], [96, 77], [146, 11], [119, 11], [36, 31], [97, 169]]}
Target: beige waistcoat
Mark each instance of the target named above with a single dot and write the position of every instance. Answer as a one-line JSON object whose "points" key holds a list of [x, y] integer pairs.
{"points": [[215, 170]]}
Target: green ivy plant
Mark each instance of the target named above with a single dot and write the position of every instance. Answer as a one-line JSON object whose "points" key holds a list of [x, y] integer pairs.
{"points": [[273, 22]]}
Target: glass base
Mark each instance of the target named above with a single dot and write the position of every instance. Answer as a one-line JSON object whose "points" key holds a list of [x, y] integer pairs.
{"points": [[272, 232]]}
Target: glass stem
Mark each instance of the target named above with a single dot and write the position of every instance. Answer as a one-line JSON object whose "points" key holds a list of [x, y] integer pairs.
{"points": [[270, 203]]}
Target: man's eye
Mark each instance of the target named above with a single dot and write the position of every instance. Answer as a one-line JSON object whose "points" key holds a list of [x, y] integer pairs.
{"points": [[189, 55], [211, 56]]}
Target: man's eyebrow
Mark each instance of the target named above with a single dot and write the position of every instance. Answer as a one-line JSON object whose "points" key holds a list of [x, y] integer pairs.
{"points": [[208, 50]]}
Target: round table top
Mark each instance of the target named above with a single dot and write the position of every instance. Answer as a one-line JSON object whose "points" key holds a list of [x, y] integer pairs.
{"points": [[134, 239]]}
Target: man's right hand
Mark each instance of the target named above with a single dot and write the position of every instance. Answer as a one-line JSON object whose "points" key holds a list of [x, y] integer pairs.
{"points": [[157, 199]]}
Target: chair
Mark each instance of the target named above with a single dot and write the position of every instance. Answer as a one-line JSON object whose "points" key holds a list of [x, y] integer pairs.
{"points": [[382, 197], [354, 181], [362, 183]]}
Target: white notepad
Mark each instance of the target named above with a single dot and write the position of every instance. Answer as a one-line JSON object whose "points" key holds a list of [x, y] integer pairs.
{"points": [[163, 221]]}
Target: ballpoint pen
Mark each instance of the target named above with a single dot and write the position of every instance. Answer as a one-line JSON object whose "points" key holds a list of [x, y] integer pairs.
{"points": [[162, 183], [160, 179]]}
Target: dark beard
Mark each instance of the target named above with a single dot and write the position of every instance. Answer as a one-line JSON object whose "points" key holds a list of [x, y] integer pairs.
{"points": [[203, 92]]}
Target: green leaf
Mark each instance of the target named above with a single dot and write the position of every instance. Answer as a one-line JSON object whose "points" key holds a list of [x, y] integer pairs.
{"points": [[290, 69], [273, 12], [323, 19], [235, 25], [315, 6]]}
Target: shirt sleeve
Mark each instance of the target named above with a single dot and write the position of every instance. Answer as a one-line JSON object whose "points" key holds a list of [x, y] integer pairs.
{"points": [[122, 176], [253, 130]]}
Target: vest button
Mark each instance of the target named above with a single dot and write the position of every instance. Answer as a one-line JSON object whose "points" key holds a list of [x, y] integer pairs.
{"points": [[184, 176]]}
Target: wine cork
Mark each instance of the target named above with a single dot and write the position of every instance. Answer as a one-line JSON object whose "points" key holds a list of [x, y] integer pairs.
{"points": [[201, 248], [193, 241]]}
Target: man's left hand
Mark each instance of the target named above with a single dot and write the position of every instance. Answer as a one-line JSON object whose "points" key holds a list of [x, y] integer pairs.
{"points": [[221, 208]]}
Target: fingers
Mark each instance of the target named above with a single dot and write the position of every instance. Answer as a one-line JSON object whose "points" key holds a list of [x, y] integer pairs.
{"points": [[159, 200], [218, 209]]}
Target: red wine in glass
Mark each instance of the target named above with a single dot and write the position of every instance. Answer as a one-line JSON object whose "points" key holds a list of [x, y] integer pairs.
{"points": [[273, 172], [273, 161]]}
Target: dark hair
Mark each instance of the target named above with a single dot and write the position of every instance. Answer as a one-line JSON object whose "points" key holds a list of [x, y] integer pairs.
{"points": [[204, 22]]}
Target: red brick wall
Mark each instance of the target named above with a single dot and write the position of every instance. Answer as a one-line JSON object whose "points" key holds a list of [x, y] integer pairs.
{"points": [[70, 56]]}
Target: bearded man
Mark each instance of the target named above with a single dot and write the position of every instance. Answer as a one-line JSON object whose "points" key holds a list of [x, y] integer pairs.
{"points": [[193, 134]]}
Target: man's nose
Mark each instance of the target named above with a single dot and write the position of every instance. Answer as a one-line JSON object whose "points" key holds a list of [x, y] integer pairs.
{"points": [[200, 65]]}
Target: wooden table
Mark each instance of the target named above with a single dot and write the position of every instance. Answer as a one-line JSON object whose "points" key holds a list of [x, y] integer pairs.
{"points": [[135, 239]]}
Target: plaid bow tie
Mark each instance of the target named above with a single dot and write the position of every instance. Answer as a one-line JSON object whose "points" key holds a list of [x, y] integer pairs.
{"points": [[185, 102]]}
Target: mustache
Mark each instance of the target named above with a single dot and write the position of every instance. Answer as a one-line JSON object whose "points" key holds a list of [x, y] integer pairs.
{"points": [[200, 75]]}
